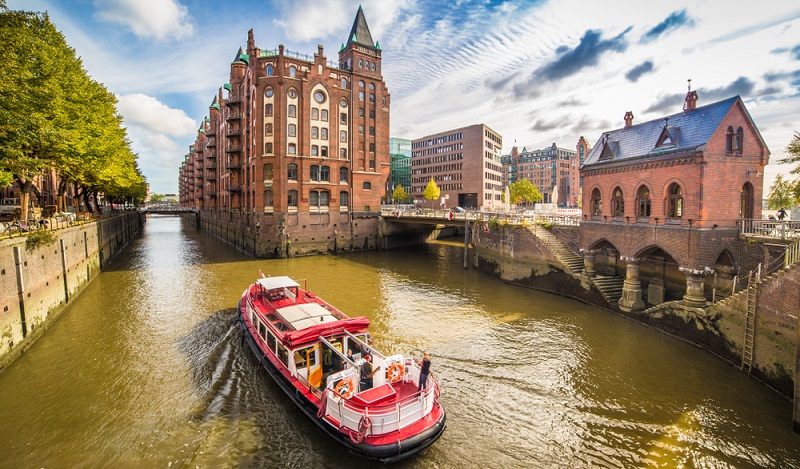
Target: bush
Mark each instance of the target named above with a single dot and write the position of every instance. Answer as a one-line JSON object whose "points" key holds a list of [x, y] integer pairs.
{"points": [[494, 223], [39, 238]]}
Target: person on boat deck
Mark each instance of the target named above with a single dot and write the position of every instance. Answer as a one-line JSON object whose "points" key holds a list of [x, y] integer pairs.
{"points": [[424, 371], [366, 373]]}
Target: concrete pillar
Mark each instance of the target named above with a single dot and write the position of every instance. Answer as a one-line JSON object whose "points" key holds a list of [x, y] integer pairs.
{"points": [[588, 262], [695, 296], [631, 299]]}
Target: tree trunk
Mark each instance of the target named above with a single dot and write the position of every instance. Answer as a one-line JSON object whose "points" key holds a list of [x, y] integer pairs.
{"points": [[25, 189]]}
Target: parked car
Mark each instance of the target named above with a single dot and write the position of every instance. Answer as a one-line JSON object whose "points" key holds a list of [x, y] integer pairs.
{"points": [[457, 210]]}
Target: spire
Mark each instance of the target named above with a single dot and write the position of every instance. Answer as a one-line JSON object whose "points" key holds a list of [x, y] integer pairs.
{"points": [[360, 31]]}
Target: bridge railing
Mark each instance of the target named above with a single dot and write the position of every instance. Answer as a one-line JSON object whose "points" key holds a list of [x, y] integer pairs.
{"points": [[506, 217], [782, 229]]}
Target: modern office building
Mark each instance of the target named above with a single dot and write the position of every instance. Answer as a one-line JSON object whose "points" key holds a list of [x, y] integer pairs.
{"points": [[548, 169], [400, 151], [464, 163]]}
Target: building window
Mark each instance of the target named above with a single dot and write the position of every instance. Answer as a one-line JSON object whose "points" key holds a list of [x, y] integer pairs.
{"points": [[324, 115], [292, 110], [324, 133], [617, 203], [372, 86], [373, 66], [318, 198], [360, 82], [268, 199], [319, 97], [343, 136], [367, 186], [372, 113], [738, 141], [343, 199], [268, 92], [372, 131], [320, 173], [315, 113], [360, 130], [343, 103], [343, 118], [314, 150], [268, 148], [643, 202], [372, 165], [361, 96], [291, 172], [268, 109], [269, 70], [292, 93], [292, 130], [372, 148], [344, 83], [292, 149], [267, 129], [360, 65], [343, 174], [293, 71], [291, 199], [372, 97], [314, 132], [675, 204], [267, 172], [597, 203], [343, 153], [323, 151]]}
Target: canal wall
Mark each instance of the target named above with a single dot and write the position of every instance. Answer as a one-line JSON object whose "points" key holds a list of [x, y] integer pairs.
{"points": [[516, 255], [281, 235], [37, 283]]}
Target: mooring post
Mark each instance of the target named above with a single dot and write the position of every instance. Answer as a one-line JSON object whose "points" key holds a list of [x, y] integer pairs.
{"points": [[466, 240]]}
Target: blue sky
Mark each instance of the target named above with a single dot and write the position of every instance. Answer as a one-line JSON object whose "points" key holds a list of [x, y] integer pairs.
{"points": [[537, 72]]}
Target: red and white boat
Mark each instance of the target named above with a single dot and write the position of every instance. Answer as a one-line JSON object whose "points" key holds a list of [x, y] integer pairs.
{"points": [[303, 342]]}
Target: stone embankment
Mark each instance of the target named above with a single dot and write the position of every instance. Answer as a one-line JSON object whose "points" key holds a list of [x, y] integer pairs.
{"points": [[36, 283]]}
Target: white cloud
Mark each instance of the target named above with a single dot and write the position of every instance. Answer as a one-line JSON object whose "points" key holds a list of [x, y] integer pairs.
{"points": [[157, 19], [148, 112]]}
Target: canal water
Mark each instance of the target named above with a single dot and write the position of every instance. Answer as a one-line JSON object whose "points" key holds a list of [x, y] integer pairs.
{"points": [[146, 368]]}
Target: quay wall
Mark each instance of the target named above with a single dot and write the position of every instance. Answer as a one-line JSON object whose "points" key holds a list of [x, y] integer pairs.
{"points": [[516, 255], [36, 284]]}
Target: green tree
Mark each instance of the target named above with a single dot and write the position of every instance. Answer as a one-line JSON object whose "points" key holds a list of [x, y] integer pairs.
{"points": [[523, 191], [431, 191], [156, 198], [399, 193], [781, 193], [794, 157]]}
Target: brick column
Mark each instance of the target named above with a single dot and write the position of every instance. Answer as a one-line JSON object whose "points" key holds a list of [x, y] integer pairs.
{"points": [[631, 299], [588, 262], [694, 296]]}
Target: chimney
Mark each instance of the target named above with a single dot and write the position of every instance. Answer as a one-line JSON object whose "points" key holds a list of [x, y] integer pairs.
{"points": [[690, 102], [628, 119]]}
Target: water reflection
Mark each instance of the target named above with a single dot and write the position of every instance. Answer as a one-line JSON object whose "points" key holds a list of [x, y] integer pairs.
{"points": [[147, 368]]}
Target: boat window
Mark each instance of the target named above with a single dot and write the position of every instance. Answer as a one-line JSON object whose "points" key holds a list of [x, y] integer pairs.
{"points": [[283, 354], [261, 329], [253, 317], [303, 359], [271, 317], [281, 326], [271, 341]]}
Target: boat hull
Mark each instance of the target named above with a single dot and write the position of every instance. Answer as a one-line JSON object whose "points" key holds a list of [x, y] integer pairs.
{"points": [[387, 453]]}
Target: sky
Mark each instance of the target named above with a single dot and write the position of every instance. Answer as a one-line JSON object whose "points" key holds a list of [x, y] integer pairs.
{"points": [[537, 72]]}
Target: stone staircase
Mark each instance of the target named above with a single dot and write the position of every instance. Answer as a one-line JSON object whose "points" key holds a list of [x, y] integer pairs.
{"points": [[610, 287], [565, 255]]}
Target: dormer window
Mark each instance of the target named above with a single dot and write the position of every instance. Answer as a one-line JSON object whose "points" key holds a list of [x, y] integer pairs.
{"points": [[668, 138], [610, 150]]}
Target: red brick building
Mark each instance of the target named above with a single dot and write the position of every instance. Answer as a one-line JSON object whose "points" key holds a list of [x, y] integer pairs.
{"points": [[295, 137], [665, 199], [548, 169]]}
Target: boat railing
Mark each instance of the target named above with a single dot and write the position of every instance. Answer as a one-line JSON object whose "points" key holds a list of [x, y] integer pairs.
{"points": [[365, 346]]}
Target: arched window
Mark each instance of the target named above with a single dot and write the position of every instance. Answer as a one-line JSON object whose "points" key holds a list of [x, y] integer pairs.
{"points": [[267, 171], [267, 129], [324, 115], [324, 133], [617, 203], [323, 150], [315, 113], [268, 148], [738, 140], [344, 200], [267, 198], [292, 110], [343, 153], [291, 172], [314, 150], [343, 175], [314, 132], [293, 71], [268, 109], [292, 130], [291, 199], [373, 66], [343, 136], [367, 186], [269, 70], [675, 202], [729, 140], [344, 83], [292, 150], [643, 202], [319, 199], [597, 203]]}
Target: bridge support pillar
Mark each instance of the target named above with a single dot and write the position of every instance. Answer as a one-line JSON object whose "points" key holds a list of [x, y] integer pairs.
{"points": [[694, 296], [631, 299], [588, 262]]}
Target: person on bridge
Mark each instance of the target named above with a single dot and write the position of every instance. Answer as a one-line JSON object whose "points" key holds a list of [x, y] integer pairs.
{"points": [[781, 214]]}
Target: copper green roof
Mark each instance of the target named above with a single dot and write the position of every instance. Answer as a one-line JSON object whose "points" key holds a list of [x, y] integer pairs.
{"points": [[227, 86], [360, 31], [241, 57], [215, 103]]}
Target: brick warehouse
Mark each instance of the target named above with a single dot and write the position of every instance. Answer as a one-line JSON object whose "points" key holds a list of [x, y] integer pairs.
{"points": [[295, 149], [665, 199]]}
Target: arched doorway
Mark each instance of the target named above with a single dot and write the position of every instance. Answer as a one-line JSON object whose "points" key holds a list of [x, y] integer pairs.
{"points": [[660, 277], [725, 281], [746, 201]]}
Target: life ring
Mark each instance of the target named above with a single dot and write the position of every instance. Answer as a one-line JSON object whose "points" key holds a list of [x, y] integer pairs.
{"points": [[395, 372], [348, 383]]}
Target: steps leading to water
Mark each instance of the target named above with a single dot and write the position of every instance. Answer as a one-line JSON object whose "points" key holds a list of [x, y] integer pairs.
{"points": [[610, 287], [565, 255]]}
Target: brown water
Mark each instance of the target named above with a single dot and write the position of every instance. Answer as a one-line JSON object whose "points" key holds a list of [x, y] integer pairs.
{"points": [[146, 369]]}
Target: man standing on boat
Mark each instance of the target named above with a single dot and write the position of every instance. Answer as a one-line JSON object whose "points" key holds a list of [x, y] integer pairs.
{"points": [[424, 371], [366, 373]]}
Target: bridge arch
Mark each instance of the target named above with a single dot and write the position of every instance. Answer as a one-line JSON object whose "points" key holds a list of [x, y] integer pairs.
{"points": [[660, 275]]}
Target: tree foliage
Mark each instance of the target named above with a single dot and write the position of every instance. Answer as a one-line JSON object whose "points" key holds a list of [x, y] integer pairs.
{"points": [[54, 116], [523, 191], [781, 194], [431, 191], [399, 193]]}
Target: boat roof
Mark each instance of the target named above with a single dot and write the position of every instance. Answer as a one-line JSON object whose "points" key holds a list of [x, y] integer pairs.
{"points": [[301, 316], [272, 283]]}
